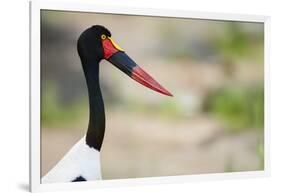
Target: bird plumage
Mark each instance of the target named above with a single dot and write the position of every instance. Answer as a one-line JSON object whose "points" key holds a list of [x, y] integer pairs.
{"points": [[82, 162]]}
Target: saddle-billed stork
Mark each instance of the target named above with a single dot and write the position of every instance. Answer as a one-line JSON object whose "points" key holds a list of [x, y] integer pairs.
{"points": [[82, 162]]}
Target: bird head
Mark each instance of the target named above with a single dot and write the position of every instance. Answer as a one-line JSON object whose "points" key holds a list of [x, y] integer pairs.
{"points": [[96, 43]]}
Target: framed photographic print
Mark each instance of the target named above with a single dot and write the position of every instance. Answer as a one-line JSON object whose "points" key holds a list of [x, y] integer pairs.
{"points": [[123, 96]]}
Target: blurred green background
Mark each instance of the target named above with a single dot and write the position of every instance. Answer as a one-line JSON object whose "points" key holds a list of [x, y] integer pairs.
{"points": [[214, 122]]}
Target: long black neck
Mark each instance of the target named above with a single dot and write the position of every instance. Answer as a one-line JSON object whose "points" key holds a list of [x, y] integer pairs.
{"points": [[96, 127]]}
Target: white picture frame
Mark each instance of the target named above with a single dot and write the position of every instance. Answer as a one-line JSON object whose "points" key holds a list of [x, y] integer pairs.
{"points": [[36, 6]]}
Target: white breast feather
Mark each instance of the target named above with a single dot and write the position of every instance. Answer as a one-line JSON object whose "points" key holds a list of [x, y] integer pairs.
{"points": [[81, 160]]}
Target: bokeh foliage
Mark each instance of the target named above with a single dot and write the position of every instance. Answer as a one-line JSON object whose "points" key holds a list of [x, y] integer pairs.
{"points": [[213, 68], [56, 113], [240, 107]]}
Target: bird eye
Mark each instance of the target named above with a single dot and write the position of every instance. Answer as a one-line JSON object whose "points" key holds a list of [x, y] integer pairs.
{"points": [[103, 36]]}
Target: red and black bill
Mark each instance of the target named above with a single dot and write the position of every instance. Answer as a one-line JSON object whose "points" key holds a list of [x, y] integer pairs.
{"points": [[115, 55]]}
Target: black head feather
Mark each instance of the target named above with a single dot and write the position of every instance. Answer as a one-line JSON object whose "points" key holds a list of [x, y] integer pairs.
{"points": [[89, 44], [90, 50]]}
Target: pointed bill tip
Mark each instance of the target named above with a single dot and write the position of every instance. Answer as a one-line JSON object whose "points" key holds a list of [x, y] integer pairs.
{"points": [[139, 75], [168, 94], [123, 62]]}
